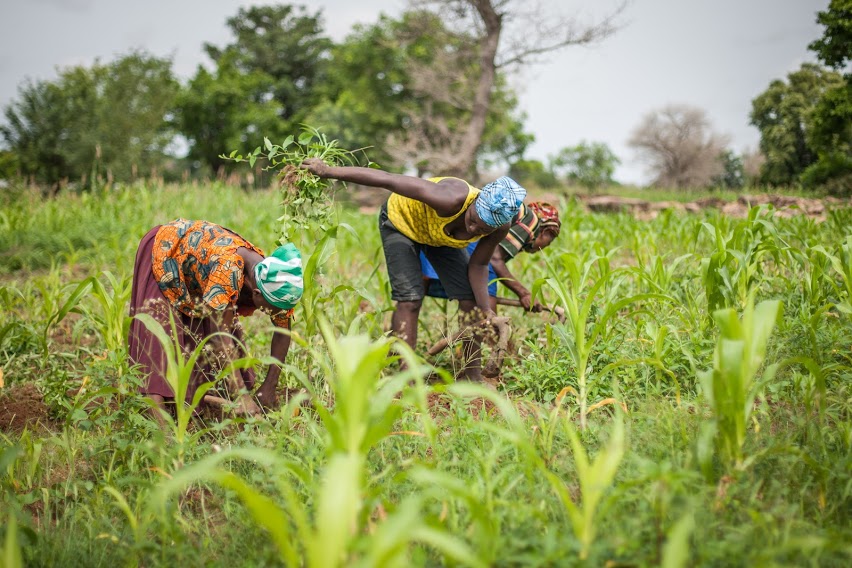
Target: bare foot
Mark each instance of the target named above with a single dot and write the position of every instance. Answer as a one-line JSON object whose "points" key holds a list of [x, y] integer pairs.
{"points": [[247, 407]]}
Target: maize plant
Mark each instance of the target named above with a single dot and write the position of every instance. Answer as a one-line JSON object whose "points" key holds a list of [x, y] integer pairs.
{"points": [[731, 386], [578, 295]]}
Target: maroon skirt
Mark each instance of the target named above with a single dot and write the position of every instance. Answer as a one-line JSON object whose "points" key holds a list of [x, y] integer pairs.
{"points": [[146, 352]]}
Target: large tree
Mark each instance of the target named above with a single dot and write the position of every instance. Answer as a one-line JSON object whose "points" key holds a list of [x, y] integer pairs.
{"points": [[226, 110], [264, 83], [834, 48], [400, 86], [507, 33], [288, 45], [783, 114], [830, 131], [104, 120], [680, 147]]}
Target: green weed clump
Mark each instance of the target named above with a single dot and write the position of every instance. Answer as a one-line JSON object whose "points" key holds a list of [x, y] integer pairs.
{"points": [[306, 199]]}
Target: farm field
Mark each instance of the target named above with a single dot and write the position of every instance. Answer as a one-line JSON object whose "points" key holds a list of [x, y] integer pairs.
{"points": [[694, 409]]}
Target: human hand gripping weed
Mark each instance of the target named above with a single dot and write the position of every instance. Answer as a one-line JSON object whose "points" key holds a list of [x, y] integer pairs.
{"points": [[306, 199], [455, 214], [196, 277]]}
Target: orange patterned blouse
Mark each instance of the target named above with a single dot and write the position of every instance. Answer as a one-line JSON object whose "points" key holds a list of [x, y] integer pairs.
{"points": [[198, 270]]}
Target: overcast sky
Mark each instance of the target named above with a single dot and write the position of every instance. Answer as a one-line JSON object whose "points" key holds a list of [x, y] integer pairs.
{"points": [[714, 54]]}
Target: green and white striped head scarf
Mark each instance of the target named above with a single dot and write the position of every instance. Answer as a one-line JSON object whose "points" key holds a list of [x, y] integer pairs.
{"points": [[279, 277]]}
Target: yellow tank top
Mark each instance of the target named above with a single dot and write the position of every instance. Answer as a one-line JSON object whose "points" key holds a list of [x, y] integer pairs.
{"points": [[422, 224]]}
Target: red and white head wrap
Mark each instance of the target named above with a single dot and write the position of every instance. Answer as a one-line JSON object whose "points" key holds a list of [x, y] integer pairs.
{"points": [[548, 216]]}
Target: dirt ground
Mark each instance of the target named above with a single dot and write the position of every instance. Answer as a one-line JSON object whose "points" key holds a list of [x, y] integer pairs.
{"points": [[785, 206], [369, 199], [441, 404], [22, 406]]}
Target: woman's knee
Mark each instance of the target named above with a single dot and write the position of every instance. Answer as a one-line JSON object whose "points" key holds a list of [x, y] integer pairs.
{"points": [[409, 306]]}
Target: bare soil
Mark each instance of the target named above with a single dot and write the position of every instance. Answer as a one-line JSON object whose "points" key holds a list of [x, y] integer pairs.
{"points": [[784, 205], [22, 406], [369, 199], [441, 405]]}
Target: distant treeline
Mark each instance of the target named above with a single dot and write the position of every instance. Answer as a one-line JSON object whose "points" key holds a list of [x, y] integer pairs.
{"points": [[406, 90]]}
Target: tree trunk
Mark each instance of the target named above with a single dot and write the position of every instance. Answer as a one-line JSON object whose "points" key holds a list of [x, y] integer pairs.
{"points": [[465, 164]]}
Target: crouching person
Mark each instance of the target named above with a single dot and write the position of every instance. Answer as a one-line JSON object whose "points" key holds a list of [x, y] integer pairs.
{"points": [[205, 277]]}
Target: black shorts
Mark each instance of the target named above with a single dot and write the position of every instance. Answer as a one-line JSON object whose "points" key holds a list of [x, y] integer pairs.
{"points": [[404, 271]]}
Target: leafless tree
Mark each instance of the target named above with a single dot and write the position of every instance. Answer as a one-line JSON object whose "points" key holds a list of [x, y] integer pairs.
{"points": [[429, 142], [508, 33], [753, 160], [680, 147]]}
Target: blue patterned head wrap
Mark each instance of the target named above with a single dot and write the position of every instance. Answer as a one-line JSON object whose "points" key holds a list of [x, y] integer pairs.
{"points": [[499, 201]]}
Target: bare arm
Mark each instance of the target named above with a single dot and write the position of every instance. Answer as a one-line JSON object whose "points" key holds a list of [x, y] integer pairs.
{"points": [[226, 349], [498, 262], [280, 347], [446, 203], [477, 268]]}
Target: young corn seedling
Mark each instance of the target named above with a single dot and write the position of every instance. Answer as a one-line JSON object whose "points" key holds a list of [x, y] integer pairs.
{"points": [[314, 299], [70, 305], [10, 553], [577, 294], [306, 199], [328, 533], [734, 268], [842, 265], [179, 368], [731, 386], [596, 476], [112, 323]]}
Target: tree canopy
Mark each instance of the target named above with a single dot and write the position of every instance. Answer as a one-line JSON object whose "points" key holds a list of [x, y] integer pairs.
{"points": [[104, 120], [784, 116], [590, 164]]}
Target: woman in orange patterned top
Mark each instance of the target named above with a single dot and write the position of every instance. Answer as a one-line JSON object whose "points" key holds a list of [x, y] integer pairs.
{"points": [[204, 277], [439, 216]]}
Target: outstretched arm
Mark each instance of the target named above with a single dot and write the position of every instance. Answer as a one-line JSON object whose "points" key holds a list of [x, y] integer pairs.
{"points": [[498, 262], [446, 203]]}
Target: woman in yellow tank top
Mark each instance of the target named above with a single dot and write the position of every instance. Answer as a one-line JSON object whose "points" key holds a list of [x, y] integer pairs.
{"points": [[439, 216]]}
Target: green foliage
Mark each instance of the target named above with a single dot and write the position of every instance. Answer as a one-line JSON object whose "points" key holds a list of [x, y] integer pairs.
{"points": [[10, 553], [454, 474], [107, 121], [306, 198], [532, 172], [731, 386], [366, 408], [222, 110], [833, 47], [178, 374], [783, 115], [579, 295], [394, 86], [9, 166], [286, 45], [734, 175], [596, 477], [589, 164], [830, 134], [731, 272], [264, 82]]}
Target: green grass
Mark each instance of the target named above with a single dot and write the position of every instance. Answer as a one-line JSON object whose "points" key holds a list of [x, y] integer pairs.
{"points": [[685, 477]]}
